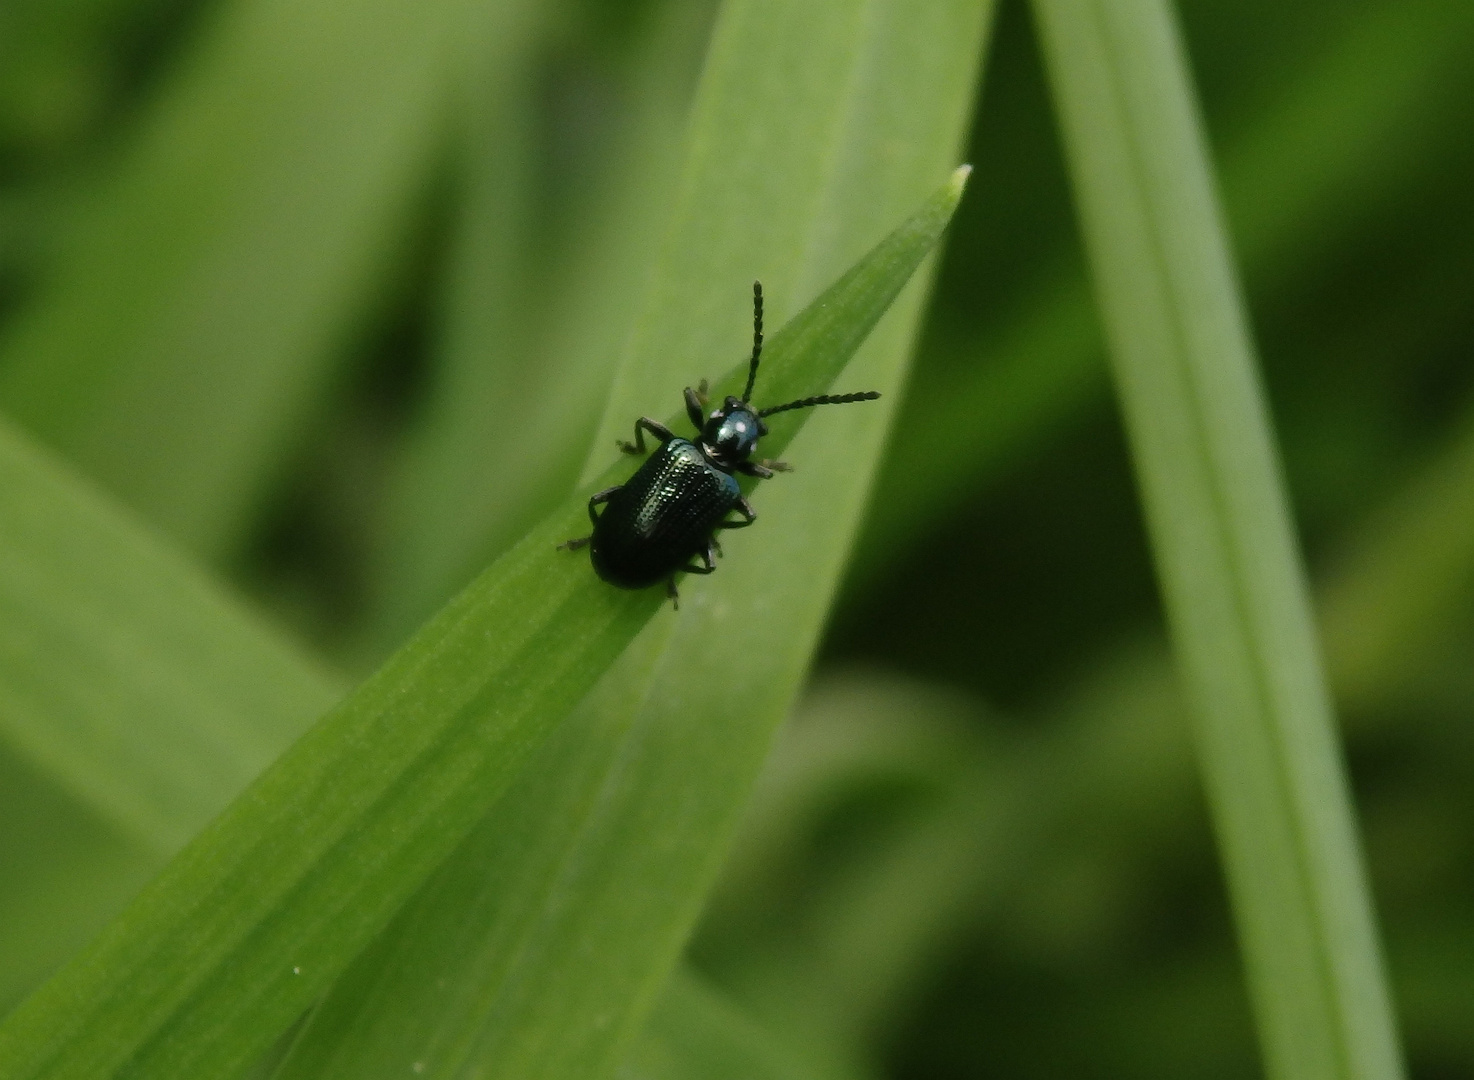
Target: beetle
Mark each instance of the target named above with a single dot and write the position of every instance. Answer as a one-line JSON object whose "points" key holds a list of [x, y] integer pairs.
{"points": [[669, 512]]}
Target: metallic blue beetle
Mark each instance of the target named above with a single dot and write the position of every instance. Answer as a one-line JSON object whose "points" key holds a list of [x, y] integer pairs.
{"points": [[669, 512]]}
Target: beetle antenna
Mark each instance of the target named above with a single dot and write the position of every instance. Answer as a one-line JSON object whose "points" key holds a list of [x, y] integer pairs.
{"points": [[757, 338], [822, 399]]}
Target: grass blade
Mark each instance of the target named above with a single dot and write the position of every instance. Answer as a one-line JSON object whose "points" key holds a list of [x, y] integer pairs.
{"points": [[66, 874], [531, 333], [1109, 787], [1226, 556], [112, 649], [637, 804], [139, 695], [248, 925], [197, 302], [1295, 179]]}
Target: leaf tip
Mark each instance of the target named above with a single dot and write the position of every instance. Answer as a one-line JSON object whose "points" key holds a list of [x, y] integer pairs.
{"points": [[959, 179]]}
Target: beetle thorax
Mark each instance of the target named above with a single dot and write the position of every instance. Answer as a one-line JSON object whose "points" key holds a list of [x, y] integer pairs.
{"points": [[731, 433]]}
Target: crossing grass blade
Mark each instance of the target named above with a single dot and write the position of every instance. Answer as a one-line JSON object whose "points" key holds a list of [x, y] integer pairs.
{"points": [[201, 676], [1226, 555], [253, 920], [137, 696], [66, 874], [1364, 103], [126, 675], [785, 179]]}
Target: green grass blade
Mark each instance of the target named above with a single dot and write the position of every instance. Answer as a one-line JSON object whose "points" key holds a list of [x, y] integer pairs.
{"points": [[140, 696], [66, 874], [1108, 788], [253, 920], [197, 303], [556, 979], [1293, 177], [770, 168], [126, 675], [532, 329], [534, 958], [450, 475], [1226, 556]]}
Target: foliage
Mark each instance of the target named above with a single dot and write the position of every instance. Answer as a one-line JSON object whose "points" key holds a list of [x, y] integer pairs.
{"points": [[318, 321]]}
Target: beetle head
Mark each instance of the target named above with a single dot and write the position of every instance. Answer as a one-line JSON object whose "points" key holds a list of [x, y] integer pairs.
{"points": [[731, 432]]}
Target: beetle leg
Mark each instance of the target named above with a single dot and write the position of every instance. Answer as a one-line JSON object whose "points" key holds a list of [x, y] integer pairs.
{"points": [[764, 469], [695, 404], [594, 500], [707, 565], [642, 425], [744, 508], [600, 497]]}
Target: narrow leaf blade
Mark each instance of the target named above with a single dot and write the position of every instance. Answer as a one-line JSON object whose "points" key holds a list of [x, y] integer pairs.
{"points": [[1226, 555], [247, 926], [637, 808]]}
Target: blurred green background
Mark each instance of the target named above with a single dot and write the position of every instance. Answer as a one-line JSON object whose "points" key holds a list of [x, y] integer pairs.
{"points": [[989, 782]]}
